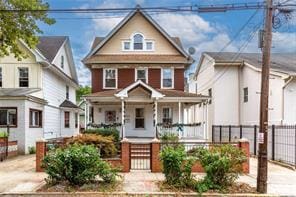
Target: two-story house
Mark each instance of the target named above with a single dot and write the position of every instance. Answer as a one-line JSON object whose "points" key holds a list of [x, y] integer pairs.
{"points": [[137, 75], [37, 94], [233, 81]]}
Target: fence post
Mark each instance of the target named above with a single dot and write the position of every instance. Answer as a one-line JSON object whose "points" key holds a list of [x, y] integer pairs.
{"points": [[155, 161], [40, 154], [272, 141], [255, 139], [220, 131], [213, 133], [229, 134], [240, 131], [125, 155], [245, 146]]}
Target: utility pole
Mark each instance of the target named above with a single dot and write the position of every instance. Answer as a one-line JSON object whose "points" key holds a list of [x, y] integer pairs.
{"points": [[263, 135]]}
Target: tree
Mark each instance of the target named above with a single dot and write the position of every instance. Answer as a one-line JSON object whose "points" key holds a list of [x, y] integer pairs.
{"points": [[18, 21], [82, 91]]}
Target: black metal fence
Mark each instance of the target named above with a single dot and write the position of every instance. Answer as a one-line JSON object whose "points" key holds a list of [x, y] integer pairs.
{"points": [[281, 139]]}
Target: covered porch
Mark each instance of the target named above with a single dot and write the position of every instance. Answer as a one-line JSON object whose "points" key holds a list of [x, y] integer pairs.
{"points": [[144, 112]]}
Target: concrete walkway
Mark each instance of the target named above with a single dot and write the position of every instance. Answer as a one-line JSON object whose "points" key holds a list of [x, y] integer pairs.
{"points": [[18, 174]]}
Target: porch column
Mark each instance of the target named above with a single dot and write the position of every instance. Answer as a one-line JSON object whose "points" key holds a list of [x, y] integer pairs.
{"points": [[155, 117], [207, 121], [122, 118], [85, 114]]}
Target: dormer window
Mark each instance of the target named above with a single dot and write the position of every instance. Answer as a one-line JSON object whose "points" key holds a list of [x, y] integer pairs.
{"points": [[62, 61], [138, 42]]}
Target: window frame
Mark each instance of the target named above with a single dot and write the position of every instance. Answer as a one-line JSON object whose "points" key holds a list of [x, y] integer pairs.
{"points": [[152, 45], [172, 75], [143, 42], [67, 121], [16, 117], [67, 92], [104, 78], [76, 120], [21, 78], [62, 61], [245, 94], [123, 45], [1, 77], [146, 74], [170, 114], [106, 119], [31, 110], [142, 118]]}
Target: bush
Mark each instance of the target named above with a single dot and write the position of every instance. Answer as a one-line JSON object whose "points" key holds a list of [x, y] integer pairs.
{"points": [[176, 166], [168, 137], [77, 165], [3, 134], [105, 132], [222, 166], [32, 150], [104, 143]]}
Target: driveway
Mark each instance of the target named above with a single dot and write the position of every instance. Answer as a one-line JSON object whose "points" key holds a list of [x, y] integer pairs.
{"points": [[18, 174]]}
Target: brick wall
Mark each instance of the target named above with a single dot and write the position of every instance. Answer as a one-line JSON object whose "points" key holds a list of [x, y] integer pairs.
{"points": [[12, 148]]}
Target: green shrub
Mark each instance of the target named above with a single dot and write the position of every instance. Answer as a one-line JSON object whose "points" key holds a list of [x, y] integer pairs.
{"points": [[222, 166], [168, 137], [3, 134], [104, 143], [105, 132], [176, 166], [77, 165], [32, 149]]}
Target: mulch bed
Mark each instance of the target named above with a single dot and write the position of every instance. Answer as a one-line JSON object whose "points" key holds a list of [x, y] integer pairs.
{"points": [[237, 188], [97, 186]]}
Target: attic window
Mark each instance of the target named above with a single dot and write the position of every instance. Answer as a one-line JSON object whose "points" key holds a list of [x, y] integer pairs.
{"points": [[62, 61], [138, 42]]}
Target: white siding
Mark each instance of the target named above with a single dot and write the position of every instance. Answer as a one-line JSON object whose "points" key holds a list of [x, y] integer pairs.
{"points": [[289, 103], [57, 61]]}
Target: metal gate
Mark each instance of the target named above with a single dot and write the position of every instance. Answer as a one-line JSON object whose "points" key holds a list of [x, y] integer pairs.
{"points": [[140, 156]]}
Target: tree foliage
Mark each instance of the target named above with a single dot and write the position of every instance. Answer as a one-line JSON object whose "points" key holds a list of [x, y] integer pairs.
{"points": [[83, 90], [18, 21]]}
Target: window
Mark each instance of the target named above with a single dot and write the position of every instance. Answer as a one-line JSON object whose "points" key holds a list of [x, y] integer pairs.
{"points": [[0, 77], [167, 78], [8, 116], [35, 118], [138, 42], [67, 119], [110, 117], [126, 45], [139, 119], [210, 95], [246, 95], [141, 74], [167, 115], [67, 92], [76, 120], [149, 46], [23, 77], [110, 78], [62, 61]]}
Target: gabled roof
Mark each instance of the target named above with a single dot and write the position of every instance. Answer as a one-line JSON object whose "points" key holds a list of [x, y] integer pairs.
{"points": [[174, 42], [280, 62], [68, 104], [50, 45]]}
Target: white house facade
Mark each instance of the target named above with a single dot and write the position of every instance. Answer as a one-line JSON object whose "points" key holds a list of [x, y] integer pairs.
{"points": [[37, 94], [233, 83]]}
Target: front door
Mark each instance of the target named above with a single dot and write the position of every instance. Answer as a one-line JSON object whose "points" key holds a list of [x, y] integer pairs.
{"points": [[140, 121]]}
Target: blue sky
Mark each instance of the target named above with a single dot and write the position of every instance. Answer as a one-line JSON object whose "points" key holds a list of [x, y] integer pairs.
{"points": [[204, 32]]}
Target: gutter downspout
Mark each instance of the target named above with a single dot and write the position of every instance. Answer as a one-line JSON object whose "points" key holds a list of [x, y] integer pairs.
{"points": [[283, 97]]}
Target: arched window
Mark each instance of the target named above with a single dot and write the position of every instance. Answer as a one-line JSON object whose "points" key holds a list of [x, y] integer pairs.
{"points": [[138, 42]]}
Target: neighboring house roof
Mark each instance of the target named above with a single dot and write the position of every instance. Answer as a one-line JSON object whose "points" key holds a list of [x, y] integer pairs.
{"points": [[281, 62], [50, 45], [136, 58], [175, 42], [68, 104]]}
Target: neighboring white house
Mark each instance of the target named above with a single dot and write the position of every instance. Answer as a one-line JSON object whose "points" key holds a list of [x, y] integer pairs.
{"points": [[37, 94], [234, 84]]}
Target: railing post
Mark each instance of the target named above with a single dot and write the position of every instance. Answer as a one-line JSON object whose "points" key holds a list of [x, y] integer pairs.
{"points": [[272, 142], [255, 139], [229, 134], [220, 131], [240, 131]]}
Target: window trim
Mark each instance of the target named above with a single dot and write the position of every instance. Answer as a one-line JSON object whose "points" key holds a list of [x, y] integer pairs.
{"points": [[116, 78], [67, 127], [122, 47], [40, 118], [19, 77], [146, 73], [11, 126], [152, 41], [67, 92], [131, 42], [139, 128], [173, 78], [143, 42]]}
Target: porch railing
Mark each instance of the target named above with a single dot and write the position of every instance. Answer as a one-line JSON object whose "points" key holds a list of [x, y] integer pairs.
{"points": [[191, 131]]}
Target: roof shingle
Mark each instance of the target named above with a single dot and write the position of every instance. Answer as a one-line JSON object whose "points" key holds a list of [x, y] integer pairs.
{"points": [[50, 45]]}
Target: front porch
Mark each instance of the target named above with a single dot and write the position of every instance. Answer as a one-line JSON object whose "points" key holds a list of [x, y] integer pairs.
{"points": [[145, 113]]}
